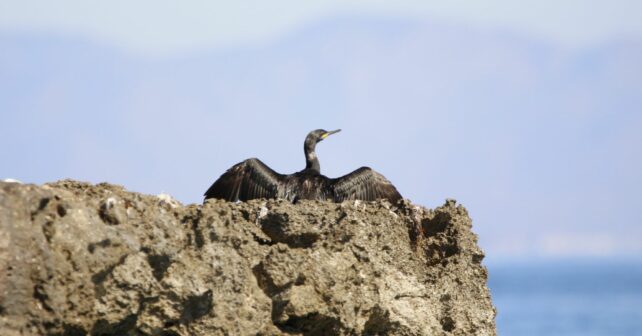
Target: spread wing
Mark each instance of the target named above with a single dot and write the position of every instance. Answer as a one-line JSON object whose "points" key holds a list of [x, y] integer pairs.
{"points": [[246, 180], [364, 184]]}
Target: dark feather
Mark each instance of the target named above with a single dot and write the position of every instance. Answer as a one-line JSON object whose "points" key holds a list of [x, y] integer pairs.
{"points": [[246, 180], [364, 184]]}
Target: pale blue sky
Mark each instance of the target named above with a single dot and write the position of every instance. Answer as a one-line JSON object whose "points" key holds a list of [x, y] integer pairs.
{"points": [[161, 27], [528, 113]]}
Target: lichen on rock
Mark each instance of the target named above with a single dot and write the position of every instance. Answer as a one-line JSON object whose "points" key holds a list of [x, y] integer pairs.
{"points": [[79, 259]]}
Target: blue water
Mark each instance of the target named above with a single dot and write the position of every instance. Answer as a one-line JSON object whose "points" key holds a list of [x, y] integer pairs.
{"points": [[567, 298]]}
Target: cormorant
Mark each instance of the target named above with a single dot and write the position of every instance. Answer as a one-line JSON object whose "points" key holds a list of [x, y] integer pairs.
{"points": [[252, 179]]}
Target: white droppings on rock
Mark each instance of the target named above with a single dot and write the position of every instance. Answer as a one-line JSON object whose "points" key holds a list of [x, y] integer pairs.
{"points": [[165, 198], [111, 212], [10, 180], [263, 211]]}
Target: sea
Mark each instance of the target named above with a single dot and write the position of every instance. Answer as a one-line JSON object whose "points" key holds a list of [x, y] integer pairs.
{"points": [[567, 297]]}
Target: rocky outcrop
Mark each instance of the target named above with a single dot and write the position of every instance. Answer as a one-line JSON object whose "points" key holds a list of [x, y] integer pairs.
{"points": [[79, 259]]}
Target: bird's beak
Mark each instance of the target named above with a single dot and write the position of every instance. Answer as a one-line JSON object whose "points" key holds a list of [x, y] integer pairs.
{"points": [[325, 135]]}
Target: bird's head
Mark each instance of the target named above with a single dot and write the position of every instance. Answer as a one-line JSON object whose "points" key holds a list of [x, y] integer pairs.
{"points": [[318, 135]]}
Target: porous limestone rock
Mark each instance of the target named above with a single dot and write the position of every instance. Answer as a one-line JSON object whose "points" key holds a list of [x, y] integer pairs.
{"points": [[82, 259]]}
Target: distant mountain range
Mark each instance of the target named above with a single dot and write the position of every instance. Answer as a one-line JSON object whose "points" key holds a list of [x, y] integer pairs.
{"points": [[525, 134]]}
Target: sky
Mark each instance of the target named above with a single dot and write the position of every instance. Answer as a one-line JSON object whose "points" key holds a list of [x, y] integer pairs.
{"points": [[529, 114], [160, 28]]}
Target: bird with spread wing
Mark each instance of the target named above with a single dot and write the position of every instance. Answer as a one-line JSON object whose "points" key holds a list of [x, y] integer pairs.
{"points": [[253, 179]]}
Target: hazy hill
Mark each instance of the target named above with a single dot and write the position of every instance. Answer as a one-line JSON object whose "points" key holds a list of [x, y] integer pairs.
{"points": [[486, 117]]}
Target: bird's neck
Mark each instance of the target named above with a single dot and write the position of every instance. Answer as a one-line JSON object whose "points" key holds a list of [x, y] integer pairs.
{"points": [[311, 160]]}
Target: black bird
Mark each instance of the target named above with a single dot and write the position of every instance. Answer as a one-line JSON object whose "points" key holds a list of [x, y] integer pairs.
{"points": [[252, 179]]}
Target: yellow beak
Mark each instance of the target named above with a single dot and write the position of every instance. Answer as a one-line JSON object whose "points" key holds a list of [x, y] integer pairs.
{"points": [[325, 135]]}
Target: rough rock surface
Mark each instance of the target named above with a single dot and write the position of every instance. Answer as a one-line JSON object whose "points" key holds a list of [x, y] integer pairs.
{"points": [[79, 259]]}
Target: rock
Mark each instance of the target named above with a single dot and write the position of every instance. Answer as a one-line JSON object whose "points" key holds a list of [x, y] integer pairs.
{"points": [[79, 259], [10, 180]]}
